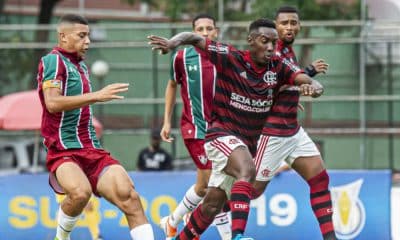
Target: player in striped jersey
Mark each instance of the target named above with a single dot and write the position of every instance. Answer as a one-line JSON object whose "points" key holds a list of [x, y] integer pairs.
{"points": [[283, 139], [77, 164], [196, 76], [246, 84]]}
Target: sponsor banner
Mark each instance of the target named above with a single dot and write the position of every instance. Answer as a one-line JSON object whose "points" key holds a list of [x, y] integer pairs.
{"points": [[361, 202]]}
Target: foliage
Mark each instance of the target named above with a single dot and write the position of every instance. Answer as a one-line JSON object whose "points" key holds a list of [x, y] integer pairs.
{"points": [[16, 73], [309, 9], [312, 9]]}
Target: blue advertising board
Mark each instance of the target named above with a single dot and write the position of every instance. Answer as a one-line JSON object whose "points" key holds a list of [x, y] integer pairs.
{"points": [[361, 201]]}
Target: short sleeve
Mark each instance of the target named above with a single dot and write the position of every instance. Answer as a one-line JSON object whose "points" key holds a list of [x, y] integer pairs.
{"points": [[53, 69], [218, 53], [287, 71]]}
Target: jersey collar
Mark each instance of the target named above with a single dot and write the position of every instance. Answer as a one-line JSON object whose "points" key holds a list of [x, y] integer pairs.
{"points": [[72, 56]]}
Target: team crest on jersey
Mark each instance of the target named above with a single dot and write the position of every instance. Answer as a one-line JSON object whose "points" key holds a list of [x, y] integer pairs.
{"points": [[349, 212], [202, 159], [270, 78], [265, 172]]}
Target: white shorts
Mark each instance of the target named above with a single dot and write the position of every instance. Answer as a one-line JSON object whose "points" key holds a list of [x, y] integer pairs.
{"points": [[272, 151], [218, 151]]}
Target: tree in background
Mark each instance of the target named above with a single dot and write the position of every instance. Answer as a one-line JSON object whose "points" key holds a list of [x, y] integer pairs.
{"points": [[45, 16], [247, 10]]}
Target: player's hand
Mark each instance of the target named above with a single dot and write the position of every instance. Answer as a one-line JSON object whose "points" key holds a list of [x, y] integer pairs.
{"points": [[110, 92], [166, 133], [161, 44], [320, 66], [306, 90]]}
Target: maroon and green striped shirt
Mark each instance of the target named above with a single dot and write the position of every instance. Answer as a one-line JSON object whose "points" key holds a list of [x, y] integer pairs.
{"points": [[196, 76], [68, 129]]}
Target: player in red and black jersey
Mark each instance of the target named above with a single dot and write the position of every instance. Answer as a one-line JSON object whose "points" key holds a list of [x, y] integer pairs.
{"points": [[246, 84], [284, 140]]}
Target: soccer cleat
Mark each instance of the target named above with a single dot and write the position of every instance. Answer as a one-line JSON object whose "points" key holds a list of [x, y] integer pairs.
{"points": [[241, 237], [170, 231]]}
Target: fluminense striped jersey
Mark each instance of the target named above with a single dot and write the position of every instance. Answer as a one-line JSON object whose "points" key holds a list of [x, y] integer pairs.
{"points": [[243, 92], [282, 119], [67, 129], [196, 76]]}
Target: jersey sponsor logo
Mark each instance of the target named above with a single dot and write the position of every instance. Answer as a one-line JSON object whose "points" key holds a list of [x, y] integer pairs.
{"points": [[251, 105], [241, 206], [192, 68], [349, 212], [219, 49], [270, 78]]}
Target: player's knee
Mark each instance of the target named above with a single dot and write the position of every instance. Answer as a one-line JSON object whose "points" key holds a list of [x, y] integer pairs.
{"points": [[211, 209], [128, 199], [80, 196], [248, 173]]}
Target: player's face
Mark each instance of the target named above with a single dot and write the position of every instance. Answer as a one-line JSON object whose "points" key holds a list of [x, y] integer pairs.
{"points": [[76, 38], [287, 25], [262, 45], [206, 28]]}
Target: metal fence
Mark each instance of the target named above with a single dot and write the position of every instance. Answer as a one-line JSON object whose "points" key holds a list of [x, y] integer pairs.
{"points": [[364, 103]]}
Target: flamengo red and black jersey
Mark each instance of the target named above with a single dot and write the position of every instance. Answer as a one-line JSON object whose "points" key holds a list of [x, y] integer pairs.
{"points": [[282, 119], [68, 129], [196, 76], [243, 92]]}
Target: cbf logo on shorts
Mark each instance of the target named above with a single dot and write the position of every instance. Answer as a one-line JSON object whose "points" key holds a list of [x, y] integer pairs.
{"points": [[349, 211]]}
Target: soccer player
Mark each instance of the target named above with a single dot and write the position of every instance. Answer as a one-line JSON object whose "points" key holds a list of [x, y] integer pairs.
{"points": [[244, 91], [283, 139], [77, 164], [196, 76]]}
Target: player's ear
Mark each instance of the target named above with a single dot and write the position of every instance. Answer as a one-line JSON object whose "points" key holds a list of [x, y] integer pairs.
{"points": [[217, 30], [61, 36], [250, 39]]}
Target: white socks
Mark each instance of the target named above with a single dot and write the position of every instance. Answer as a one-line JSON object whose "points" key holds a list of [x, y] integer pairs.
{"points": [[142, 232], [222, 222], [65, 224], [188, 203]]}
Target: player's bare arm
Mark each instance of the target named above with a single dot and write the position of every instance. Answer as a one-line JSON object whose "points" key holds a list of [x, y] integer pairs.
{"points": [[309, 86], [170, 99], [56, 102], [184, 38]]}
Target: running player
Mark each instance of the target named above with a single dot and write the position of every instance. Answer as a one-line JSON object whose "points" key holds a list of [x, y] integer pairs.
{"points": [[77, 164], [196, 76], [245, 87], [283, 139]]}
